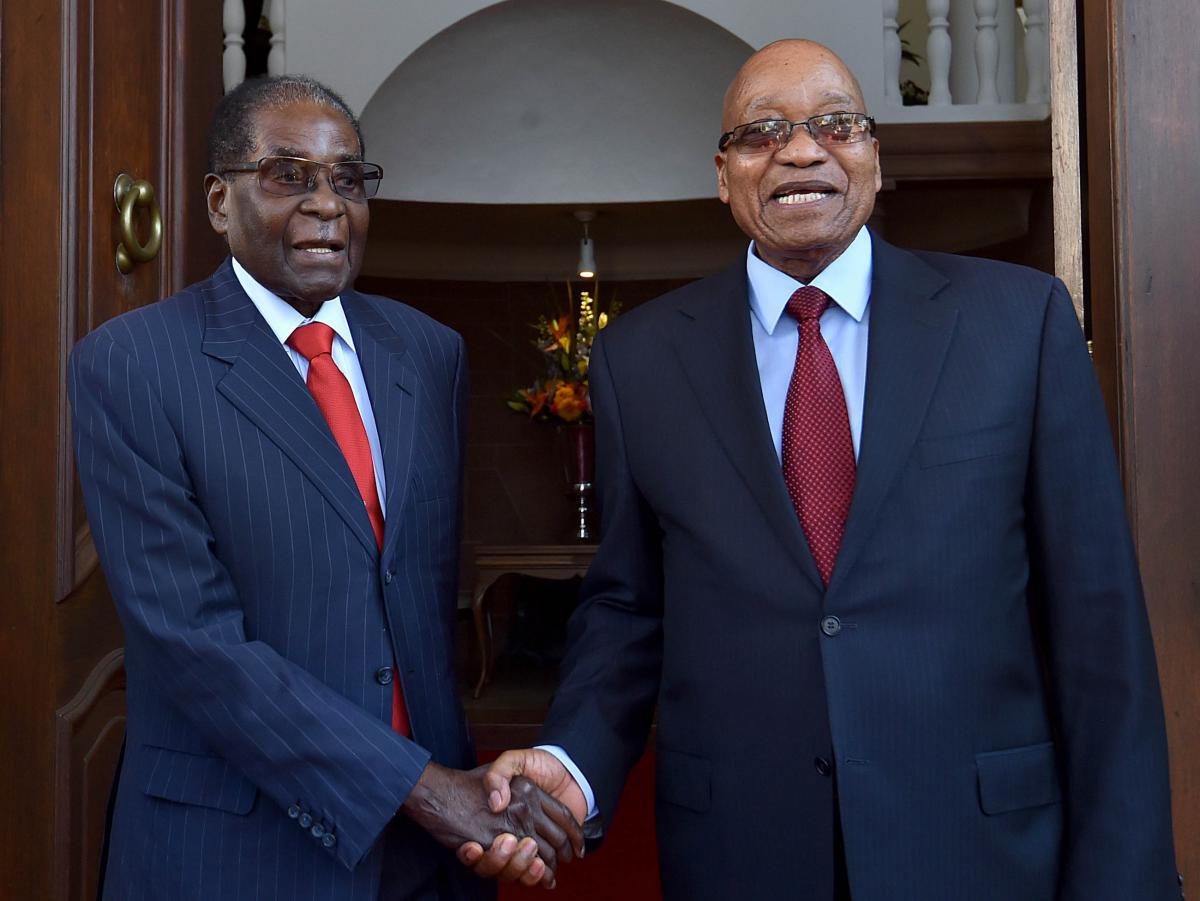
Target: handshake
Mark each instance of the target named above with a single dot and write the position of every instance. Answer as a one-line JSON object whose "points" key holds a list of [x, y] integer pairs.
{"points": [[516, 820]]}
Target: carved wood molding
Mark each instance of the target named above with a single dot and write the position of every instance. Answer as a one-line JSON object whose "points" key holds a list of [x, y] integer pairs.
{"points": [[88, 733]]}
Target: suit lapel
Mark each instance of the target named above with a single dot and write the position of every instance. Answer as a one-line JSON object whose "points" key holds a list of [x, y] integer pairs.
{"points": [[392, 385], [263, 383], [910, 331], [716, 349]]}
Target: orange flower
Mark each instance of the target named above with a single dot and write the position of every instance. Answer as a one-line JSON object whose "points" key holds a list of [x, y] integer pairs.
{"points": [[537, 400], [570, 401], [560, 331]]}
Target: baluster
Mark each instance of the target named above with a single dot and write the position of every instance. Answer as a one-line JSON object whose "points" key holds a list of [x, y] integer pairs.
{"points": [[276, 60], [938, 52], [233, 60], [1037, 58], [987, 51], [891, 52]]}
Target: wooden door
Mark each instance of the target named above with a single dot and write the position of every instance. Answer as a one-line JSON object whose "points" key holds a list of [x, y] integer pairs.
{"points": [[1142, 116], [89, 89]]}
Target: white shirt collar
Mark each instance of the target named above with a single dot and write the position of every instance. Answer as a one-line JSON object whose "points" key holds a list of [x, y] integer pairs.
{"points": [[847, 280], [283, 318]]}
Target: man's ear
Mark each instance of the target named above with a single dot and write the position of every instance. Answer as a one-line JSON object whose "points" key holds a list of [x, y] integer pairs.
{"points": [[722, 187], [216, 191]]}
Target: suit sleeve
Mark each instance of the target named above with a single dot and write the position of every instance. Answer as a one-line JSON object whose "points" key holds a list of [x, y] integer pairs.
{"points": [[298, 740], [1100, 655], [602, 711]]}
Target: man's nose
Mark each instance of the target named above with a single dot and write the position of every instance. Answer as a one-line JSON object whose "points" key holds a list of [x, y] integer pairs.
{"points": [[322, 199], [801, 149]]}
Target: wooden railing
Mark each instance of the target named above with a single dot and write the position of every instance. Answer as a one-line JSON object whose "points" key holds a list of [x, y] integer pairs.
{"points": [[234, 56], [986, 43]]}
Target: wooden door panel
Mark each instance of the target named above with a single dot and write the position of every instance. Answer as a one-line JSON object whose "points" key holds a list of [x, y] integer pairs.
{"points": [[89, 733], [117, 88], [122, 125], [90, 89], [117, 96]]}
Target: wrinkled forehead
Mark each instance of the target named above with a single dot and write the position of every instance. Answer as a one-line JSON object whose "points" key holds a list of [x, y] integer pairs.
{"points": [[304, 129], [799, 83]]}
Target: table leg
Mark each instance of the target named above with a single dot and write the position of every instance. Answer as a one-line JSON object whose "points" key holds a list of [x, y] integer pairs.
{"points": [[483, 635]]}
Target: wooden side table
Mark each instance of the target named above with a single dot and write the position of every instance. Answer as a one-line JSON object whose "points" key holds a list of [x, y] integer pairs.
{"points": [[543, 561]]}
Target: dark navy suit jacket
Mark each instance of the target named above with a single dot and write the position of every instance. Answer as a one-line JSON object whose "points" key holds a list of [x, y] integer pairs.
{"points": [[259, 613], [976, 690]]}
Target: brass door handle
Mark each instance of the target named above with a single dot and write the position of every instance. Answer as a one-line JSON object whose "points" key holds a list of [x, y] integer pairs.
{"points": [[128, 194]]}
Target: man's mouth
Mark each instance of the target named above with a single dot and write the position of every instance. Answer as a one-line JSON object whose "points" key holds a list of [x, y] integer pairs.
{"points": [[318, 248], [798, 195], [807, 197]]}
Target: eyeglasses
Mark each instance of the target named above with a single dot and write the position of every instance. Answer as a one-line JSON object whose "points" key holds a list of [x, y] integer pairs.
{"points": [[768, 135], [291, 175]]}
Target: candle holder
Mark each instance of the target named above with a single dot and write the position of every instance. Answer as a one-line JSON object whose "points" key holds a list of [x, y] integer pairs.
{"points": [[581, 456]]}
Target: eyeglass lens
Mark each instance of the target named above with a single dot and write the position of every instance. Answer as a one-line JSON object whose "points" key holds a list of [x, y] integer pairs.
{"points": [[287, 175], [771, 134]]}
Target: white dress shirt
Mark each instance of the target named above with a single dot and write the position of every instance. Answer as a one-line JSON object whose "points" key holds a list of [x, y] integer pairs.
{"points": [[284, 319], [844, 324]]}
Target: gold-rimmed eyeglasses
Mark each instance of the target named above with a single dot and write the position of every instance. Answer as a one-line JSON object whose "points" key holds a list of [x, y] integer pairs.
{"points": [[291, 175]]}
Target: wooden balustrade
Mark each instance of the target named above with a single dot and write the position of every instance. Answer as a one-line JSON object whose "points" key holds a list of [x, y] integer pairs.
{"points": [[234, 56], [233, 59], [277, 60], [994, 53], [1037, 52]]}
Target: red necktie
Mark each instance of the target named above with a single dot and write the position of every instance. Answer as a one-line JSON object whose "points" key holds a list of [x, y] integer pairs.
{"points": [[335, 400], [818, 452]]}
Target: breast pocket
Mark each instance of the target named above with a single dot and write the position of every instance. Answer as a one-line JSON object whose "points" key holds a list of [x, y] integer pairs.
{"points": [[198, 779], [993, 441]]}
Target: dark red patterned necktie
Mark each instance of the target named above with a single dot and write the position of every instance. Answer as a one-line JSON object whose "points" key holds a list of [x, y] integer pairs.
{"points": [[818, 452], [335, 400]]}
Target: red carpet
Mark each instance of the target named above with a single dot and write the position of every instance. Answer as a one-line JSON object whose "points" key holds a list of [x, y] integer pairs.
{"points": [[626, 867]]}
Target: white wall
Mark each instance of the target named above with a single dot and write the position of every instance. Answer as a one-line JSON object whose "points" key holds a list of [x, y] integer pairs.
{"points": [[550, 92], [354, 45], [557, 101]]}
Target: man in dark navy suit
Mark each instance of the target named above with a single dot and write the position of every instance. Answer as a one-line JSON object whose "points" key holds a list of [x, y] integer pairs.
{"points": [[271, 463], [870, 562]]}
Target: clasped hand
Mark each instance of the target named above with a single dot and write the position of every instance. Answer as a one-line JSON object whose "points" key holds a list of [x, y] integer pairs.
{"points": [[533, 833], [505, 782]]}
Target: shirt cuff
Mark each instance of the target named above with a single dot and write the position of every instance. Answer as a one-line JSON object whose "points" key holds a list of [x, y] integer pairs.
{"points": [[576, 774]]}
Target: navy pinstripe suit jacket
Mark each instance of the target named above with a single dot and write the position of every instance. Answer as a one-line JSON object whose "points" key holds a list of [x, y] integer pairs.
{"points": [[257, 608], [985, 694]]}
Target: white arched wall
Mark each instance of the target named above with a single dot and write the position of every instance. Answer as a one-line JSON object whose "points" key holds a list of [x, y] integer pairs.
{"points": [[355, 47], [556, 101]]}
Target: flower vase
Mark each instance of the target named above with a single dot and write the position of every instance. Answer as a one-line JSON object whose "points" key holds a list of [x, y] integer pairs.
{"points": [[581, 457]]}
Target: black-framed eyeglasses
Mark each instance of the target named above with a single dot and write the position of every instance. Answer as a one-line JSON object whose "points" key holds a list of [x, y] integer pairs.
{"points": [[768, 135], [291, 175]]}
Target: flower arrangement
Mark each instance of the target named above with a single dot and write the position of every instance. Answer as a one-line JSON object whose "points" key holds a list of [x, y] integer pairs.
{"points": [[562, 394]]}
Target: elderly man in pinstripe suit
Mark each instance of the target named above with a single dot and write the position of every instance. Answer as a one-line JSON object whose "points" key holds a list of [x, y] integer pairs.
{"points": [[271, 464]]}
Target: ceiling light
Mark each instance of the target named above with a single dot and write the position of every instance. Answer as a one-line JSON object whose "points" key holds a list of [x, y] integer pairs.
{"points": [[587, 247]]}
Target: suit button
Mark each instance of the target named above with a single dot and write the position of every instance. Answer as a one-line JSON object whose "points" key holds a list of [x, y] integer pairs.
{"points": [[823, 766], [831, 626], [305, 820], [293, 811], [387, 577], [328, 840], [383, 675], [317, 830]]}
